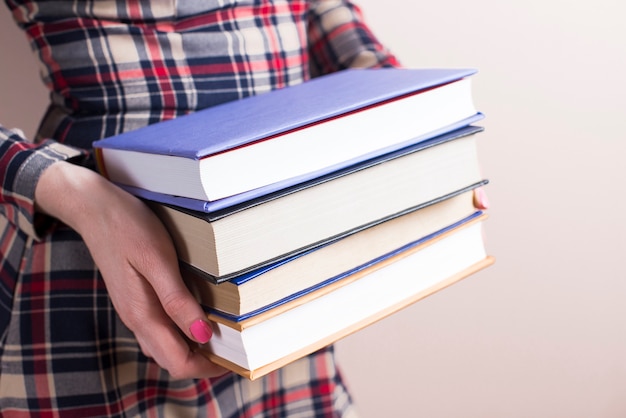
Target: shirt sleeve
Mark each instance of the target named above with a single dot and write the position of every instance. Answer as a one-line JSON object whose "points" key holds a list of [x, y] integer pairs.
{"points": [[21, 165], [338, 39]]}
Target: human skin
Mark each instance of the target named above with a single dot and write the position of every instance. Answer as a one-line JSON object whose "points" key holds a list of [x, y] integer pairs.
{"points": [[138, 263]]}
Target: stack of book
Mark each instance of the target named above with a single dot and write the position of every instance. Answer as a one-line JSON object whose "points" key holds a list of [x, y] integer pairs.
{"points": [[307, 213]]}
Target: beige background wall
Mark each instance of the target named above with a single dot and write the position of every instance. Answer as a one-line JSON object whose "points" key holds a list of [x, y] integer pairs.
{"points": [[543, 332]]}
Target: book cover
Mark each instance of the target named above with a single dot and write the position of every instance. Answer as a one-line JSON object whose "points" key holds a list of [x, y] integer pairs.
{"points": [[263, 286], [325, 123], [214, 210], [319, 288], [270, 263], [241, 122]]}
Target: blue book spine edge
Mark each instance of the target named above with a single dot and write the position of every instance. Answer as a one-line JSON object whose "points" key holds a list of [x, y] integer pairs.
{"points": [[223, 207]]}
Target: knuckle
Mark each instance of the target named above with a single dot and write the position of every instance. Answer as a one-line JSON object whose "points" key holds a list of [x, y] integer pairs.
{"points": [[133, 315], [175, 303], [129, 318], [147, 353]]}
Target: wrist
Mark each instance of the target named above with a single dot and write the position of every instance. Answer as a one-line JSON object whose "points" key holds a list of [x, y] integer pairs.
{"points": [[68, 192]]}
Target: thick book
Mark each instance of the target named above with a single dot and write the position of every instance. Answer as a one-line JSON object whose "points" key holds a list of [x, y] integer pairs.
{"points": [[266, 342], [330, 121], [279, 283], [273, 230]]}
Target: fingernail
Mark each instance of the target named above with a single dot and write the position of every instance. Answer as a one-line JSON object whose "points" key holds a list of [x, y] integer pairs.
{"points": [[201, 331], [481, 198]]}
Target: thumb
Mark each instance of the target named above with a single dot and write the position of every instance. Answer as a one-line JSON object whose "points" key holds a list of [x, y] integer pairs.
{"points": [[180, 305], [178, 302], [480, 199], [159, 266]]}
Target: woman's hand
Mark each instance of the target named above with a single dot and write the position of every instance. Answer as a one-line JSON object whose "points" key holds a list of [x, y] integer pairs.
{"points": [[138, 263]]}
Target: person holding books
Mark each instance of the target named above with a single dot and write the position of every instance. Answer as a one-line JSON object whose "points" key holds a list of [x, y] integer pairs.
{"points": [[94, 317], [81, 340]]}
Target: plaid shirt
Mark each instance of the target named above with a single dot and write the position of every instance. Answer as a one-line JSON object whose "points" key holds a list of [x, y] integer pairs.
{"points": [[113, 66]]}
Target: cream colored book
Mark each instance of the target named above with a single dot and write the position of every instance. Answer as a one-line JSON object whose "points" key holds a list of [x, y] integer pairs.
{"points": [[279, 282], [266, 342]]}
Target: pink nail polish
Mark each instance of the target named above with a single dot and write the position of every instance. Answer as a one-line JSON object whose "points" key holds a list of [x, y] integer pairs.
{"points": [[482, 198], [201, 331]]}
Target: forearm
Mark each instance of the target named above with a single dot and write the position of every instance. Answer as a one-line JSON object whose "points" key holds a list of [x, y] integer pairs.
{"points": [[137, 261], [74, 195]]}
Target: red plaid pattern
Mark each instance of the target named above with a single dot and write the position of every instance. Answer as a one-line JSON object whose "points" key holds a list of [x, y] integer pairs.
{"points": [[114, 66]]}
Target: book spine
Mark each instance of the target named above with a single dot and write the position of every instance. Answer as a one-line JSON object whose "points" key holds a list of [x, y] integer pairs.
{"points": [[99, 158]]}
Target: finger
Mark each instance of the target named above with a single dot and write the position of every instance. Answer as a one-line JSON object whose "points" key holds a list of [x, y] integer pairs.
{"points": [[146, 352], [172, 352], [159, 338], [182, 308], [480, 199], [159, 268], [178, 302]]}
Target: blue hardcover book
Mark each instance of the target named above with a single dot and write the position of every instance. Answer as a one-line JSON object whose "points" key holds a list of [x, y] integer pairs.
{"points": [[214, 210], [333, 120]]}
